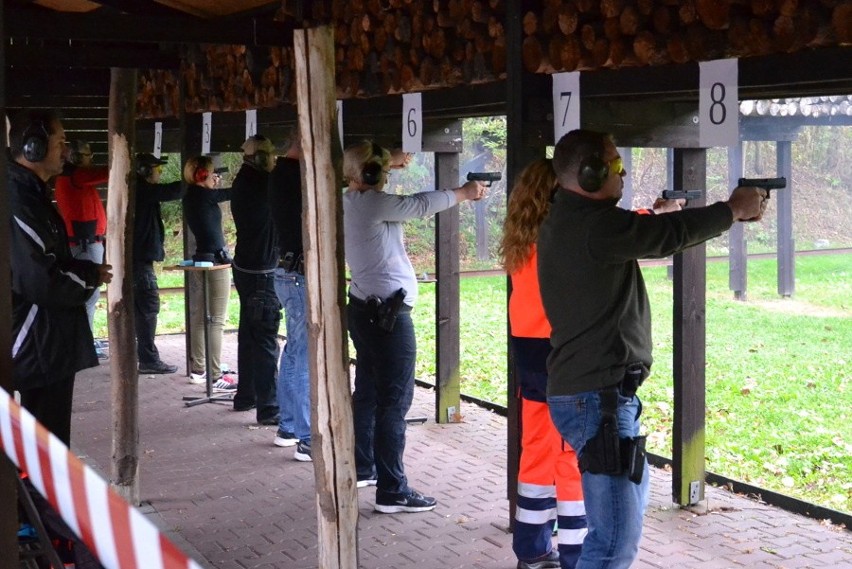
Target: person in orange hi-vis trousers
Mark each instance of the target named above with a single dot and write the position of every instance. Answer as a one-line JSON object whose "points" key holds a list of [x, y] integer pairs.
{"points": [[548, 479]]}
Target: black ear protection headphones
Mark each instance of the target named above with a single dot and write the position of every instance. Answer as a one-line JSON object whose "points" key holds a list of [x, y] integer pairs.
{"points": [[34, 142], [201, 175], [371, 173], [593, 171], [144, 170], [262, 159]]}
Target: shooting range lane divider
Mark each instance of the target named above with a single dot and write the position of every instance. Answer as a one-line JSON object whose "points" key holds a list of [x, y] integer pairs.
{"points": [[117, 533]]}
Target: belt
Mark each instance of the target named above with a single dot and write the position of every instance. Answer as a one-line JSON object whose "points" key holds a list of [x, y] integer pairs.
{"points": [[355, 301], [94, 239]]}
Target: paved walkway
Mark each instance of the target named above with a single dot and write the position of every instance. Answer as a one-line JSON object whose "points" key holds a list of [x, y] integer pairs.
{"points": [[212, 479]]}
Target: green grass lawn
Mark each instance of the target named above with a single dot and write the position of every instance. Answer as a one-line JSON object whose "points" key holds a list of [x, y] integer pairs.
{"points": [[778, 371]]}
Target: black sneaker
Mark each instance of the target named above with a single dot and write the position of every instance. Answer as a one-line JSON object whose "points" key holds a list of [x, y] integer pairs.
{"points": [[158, 367], [549, 561], [303, 452], [411, 501]]}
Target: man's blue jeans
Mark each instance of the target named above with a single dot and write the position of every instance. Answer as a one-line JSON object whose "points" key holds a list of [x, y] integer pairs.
{"points": [[294, 384], [384, 390], [614, 505]]}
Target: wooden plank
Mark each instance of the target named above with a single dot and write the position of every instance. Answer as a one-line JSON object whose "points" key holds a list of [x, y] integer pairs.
{"points": [[8, 473], [689, 323], [447, 319], [737, 249], [784, 203], [124, 375], [332, 429]]}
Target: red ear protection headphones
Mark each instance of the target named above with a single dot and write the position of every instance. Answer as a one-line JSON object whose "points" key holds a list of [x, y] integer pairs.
{"points": [[201, 175]]}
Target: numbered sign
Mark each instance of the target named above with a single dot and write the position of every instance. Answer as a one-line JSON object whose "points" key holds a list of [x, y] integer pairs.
{"points": [[251, 122], [566, 103], [158, 139], [412, 122], [340, 121], [206, 132], [718, 103]]}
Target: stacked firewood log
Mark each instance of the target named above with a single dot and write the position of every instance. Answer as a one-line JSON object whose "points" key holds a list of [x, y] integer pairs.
{"points": [[397, 46], [835, 105]]}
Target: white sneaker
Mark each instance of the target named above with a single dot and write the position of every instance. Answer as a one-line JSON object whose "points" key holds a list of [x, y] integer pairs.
{"points": [[225, 384], [197, 378]]}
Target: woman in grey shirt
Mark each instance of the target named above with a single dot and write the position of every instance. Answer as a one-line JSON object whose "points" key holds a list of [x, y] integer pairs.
{"points": [[381, 295]]}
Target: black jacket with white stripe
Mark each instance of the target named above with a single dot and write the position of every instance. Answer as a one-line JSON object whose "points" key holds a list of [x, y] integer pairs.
{"points": [[51, 338]]}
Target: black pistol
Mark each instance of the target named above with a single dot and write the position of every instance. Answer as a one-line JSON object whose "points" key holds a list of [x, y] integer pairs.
{"points": [[681, 194], [764, 183], [487, 177]]}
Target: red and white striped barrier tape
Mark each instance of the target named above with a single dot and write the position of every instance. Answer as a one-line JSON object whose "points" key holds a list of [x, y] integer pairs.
{"points": [[117, 533]]}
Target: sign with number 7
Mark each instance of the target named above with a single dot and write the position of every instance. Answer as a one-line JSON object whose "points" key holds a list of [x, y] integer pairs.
{"points": [[718, 103], [566, 103]]}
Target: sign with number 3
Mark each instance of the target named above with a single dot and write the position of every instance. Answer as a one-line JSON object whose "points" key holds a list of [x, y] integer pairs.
{"points": [[718, 103]]}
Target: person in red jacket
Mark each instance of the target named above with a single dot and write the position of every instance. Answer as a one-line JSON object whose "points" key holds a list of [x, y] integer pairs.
{"points": [[82, 210], [548, 477]]}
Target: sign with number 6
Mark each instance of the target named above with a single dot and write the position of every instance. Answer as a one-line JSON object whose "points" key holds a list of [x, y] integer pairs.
{"points": [[206, 132], [566, 103], [718, 103], [412, 122]]}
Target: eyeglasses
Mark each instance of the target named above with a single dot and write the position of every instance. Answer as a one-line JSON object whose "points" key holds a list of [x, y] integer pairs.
{"points": [[616, 166]]}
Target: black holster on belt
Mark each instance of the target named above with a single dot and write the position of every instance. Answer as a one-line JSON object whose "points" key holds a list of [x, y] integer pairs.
{"points": [[383, 313], [293, 262], [606, 452]]}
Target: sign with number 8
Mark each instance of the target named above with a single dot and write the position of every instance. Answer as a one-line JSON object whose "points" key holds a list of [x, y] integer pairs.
{"points": [[718, 103]]}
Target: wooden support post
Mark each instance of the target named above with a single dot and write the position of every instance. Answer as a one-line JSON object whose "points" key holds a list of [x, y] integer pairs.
{"points": [[332, 433], [737, 247], [690, 276], [525, 96], [190, 145], [447, 382], [124, 375], [8, 486], [784, 201], [626, 201]]}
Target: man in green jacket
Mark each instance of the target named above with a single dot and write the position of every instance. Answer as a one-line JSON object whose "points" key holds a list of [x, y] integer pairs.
{"points": [[596, 302]]}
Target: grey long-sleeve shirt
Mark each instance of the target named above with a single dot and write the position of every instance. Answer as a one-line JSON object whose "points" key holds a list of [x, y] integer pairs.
{"points": [[592, 288], [372, 232]]}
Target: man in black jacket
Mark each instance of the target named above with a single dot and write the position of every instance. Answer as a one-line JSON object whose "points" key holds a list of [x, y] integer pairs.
{"points": [[52, 340], [595, 299], [255, 260], [148, 240]]}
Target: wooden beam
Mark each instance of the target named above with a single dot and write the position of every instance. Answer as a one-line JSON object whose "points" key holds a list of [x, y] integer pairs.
{"points": [[644, 123], [124, 374], [44, 100], [141, 7], [784, 202], [332, 428], [91, 56], [34, 23], [689, 322], [68, 82], [447, 290], [737, 249], [8, 473]]}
